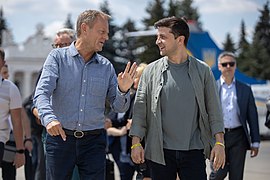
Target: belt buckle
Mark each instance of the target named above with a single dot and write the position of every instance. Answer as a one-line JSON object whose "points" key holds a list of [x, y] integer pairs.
{"points": [[78, 134]]}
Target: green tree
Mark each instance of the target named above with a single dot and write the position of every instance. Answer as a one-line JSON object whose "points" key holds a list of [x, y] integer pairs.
{"points": [[147, 44], [243, 60], [3, 25], [172, 10], [228, 45], [260, 48], [68, 23], [127, 45], [185, 8]]}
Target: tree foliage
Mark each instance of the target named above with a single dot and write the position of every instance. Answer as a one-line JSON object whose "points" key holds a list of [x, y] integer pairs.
{"points": [[68, 23], [147, 44], [260, 48], [228, 45], [3, 25], [180, 8], [243, 59]]}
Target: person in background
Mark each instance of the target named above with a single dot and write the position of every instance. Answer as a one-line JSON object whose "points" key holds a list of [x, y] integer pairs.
{"points": [[10, 105], [8, 169], [177, 110], [240, 120], [120, 142], [70, 97]]}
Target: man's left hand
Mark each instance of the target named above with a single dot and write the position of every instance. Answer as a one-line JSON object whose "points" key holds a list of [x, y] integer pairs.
{"points": [[126, 78], [254, 152], [218, 157]]}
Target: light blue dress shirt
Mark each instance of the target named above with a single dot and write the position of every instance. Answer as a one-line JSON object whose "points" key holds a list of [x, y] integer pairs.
{"points": [[74, 92]]}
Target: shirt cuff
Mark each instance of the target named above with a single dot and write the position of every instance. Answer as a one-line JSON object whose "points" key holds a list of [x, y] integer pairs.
{"points": [[255, 145], [121, 93]]}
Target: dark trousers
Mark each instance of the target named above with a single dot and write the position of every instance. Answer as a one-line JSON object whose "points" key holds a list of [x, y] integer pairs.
{"points": [[187, 164], [9, 170], [38, 158], [236, 146], [88, 153], [1, 152]]}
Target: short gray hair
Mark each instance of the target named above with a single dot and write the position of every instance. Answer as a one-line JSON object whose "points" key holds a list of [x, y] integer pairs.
{"points": [[226, 53], [89, 17], [68, 31]]}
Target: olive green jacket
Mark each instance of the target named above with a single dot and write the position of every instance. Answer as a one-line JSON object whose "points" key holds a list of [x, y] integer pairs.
{"points": [[146, 120]]}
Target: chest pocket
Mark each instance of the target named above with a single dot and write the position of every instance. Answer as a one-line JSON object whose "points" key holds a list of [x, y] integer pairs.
{"points": [[97, 86]]}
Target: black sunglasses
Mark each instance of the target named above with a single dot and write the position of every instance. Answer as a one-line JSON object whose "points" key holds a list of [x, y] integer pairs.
{"points": [[231, 64]]}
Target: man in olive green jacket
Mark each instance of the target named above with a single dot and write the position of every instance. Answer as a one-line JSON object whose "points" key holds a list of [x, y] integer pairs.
{"points": [[177, 110]]}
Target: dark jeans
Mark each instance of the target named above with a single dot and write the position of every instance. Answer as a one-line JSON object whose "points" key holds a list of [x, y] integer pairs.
{"points": [[9, 170], [88, 153], [189, 165], [1, 151], [38, 158]]}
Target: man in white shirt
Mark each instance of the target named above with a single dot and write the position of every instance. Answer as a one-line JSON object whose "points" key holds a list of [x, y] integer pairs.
{"points": [[10, 104]]}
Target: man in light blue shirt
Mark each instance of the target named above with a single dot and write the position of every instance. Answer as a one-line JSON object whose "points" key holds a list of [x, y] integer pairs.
{"points": [[240, 120], [70, 97]]}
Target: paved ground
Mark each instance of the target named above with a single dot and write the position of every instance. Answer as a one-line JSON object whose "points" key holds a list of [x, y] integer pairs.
{"points": [[256, 168]]}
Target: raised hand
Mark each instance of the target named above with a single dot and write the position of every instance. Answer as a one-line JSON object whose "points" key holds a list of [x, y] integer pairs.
{"points": [[126, 78]]}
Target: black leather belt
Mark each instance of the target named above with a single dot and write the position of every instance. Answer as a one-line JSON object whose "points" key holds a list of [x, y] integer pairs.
{"points": [[233, 129], [80, 134]]}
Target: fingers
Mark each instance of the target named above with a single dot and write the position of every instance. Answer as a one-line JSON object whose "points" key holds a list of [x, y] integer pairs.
{"points": [[133, 70], [54, 128], [127, 67], [137, 155], [63, 134]]}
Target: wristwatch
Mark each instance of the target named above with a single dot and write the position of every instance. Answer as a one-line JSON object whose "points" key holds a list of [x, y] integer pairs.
{"points": [[20, 151]]}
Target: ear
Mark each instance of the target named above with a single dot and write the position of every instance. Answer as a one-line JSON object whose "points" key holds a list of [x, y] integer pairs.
{"points": [[181, 39], [219, 66], [84, 27]]}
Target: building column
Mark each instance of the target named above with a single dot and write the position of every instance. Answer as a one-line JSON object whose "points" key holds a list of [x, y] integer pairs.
{"points": [[26, 84]]}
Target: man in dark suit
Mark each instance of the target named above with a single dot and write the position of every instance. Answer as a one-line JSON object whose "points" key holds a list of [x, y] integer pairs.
{"points": [[240, 120]]}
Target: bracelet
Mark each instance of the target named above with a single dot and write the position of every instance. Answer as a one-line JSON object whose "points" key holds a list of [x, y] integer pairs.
{"points": [[135, 145], [220, 143], [27, 139]]}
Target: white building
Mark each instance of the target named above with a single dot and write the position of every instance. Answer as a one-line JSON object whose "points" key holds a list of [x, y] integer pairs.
{"points": [[25, 61]]}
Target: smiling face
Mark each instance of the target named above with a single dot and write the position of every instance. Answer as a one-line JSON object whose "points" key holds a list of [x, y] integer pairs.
{"points": [[166, 42]]}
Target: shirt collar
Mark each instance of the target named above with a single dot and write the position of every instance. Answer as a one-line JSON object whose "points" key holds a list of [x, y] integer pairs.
{"points": [[75, 52], [222, 81]]}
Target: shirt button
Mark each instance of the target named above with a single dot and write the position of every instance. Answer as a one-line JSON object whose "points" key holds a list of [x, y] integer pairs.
{"points": [[79, 124], [82, 94], [84, 80], [81, 110]]}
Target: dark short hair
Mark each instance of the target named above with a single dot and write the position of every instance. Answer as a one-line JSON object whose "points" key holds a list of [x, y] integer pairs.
{"points": [[2, 53], [178, 26]]}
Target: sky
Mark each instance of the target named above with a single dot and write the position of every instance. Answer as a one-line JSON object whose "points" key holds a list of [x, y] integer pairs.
{"points": [[218, 17]]}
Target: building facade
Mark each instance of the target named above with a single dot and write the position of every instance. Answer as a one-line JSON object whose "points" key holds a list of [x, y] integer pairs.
{"points": [[25, 61]]}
